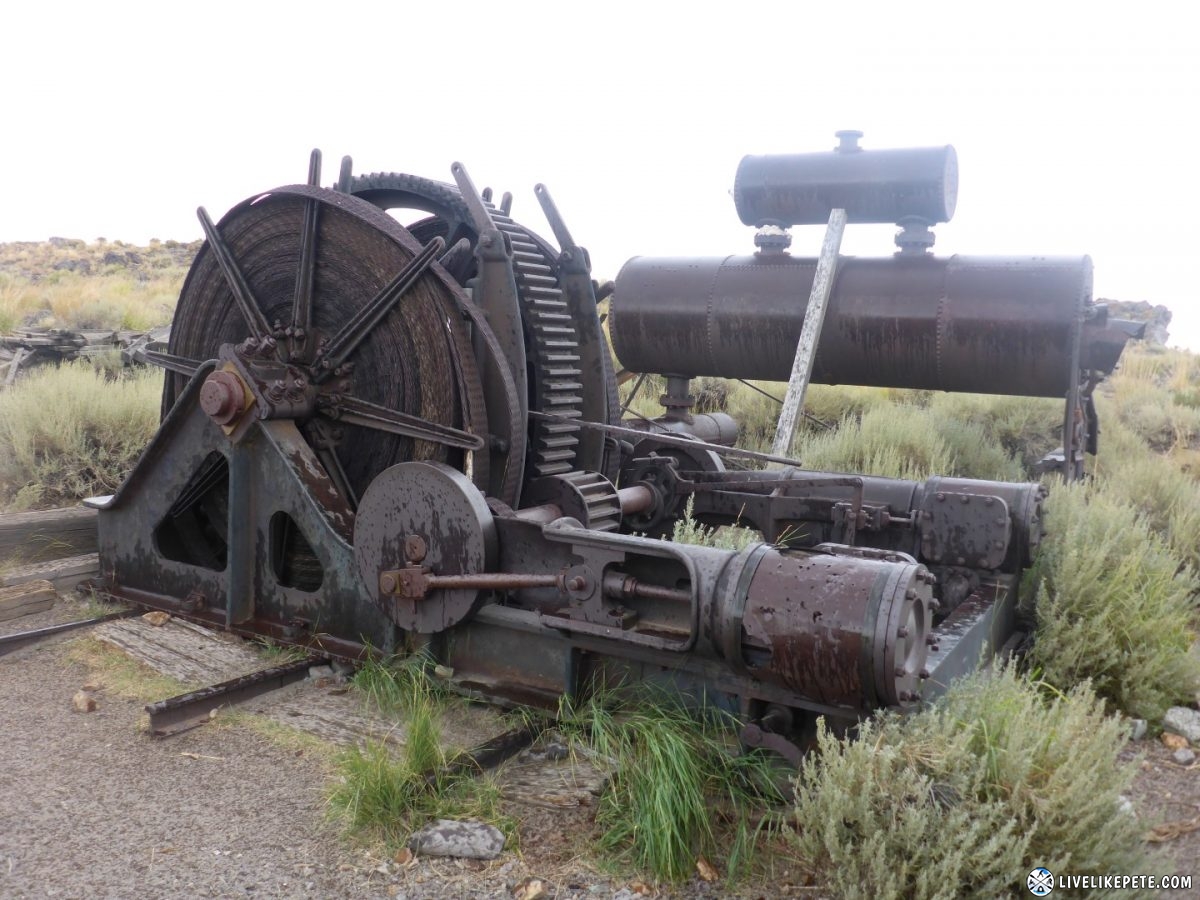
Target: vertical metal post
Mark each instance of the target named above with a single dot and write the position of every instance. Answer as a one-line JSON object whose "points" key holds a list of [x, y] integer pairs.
{"points": [[243, 549], [810, 333]]}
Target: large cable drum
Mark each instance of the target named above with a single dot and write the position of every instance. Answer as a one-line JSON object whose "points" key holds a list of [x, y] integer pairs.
{"points": [[972, 324]]}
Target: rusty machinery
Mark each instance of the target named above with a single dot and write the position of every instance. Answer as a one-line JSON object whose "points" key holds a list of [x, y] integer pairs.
{"points": [[378, 436]]}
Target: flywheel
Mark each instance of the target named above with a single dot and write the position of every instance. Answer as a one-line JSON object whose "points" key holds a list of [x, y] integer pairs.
{"points": [[347, 320]]}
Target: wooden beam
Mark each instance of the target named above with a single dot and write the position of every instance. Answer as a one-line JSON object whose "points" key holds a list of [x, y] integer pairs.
{"points": [[810, 333], [64, 573], [31, 537], [26, 599]]}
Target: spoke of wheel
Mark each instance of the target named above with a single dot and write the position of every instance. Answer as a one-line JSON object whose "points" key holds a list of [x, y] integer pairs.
{"points": [[353, 411], [251, 311], [170, 361], [354, 332], [455, 259], [302, 304], [476, 204]]}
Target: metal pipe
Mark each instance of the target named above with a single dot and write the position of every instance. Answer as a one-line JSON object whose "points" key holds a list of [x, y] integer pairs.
{"points": [[670, 440], [619, 586], [491, 581], [635, 499]]}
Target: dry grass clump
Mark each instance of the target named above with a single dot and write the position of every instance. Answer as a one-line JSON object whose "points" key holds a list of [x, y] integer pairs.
{"points": [[731, 537], [1026, 428], [1155, 393], [64, 283], [120, 301], [70, 433], [1113, 604], [1152, 413], [907, 442], [966, 797], [1162, 487]]}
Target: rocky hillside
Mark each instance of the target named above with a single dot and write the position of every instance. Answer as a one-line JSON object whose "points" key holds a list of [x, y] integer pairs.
{"points": [[38, 261], [80, 286]]}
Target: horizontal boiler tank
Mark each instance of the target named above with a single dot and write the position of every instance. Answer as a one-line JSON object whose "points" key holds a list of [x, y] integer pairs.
{"points": [[1001, 325]]}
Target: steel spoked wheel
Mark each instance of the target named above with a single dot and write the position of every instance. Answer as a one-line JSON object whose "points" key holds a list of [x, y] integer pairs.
{"points": [[337, 308]]}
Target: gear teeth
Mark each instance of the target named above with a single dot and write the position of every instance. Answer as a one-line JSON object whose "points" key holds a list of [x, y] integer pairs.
{"points": [[557, 375], [603, 504]]}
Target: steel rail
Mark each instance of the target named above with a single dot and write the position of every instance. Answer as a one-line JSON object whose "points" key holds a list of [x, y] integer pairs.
{"points": [[12, 642], [186, 711]]}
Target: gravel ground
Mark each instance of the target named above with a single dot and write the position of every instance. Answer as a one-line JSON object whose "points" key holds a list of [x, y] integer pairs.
{"points": [[92, 807]]}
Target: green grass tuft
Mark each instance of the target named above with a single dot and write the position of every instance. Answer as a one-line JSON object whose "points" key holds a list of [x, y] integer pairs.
{"points": [[680, 789], [401, 684], [730, 537], [386, 794]]}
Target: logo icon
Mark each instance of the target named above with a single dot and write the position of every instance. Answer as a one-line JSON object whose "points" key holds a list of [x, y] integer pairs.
{"points": [[1040, 882]]}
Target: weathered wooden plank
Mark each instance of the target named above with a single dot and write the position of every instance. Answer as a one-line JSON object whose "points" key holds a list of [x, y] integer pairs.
{"points": [[30, 537], [340, 717], [189, 653], [335, 718], [810, 333], [536, 779], [198, 656], [26, 599], [64, 573]]}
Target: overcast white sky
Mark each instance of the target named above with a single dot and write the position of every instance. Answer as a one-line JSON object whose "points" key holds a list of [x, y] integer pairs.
{"points": [[1074, 122]]}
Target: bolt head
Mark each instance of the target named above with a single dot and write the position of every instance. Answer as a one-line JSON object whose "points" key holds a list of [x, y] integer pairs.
{"points": [[222, 396], [415, 548], [387, 583]]}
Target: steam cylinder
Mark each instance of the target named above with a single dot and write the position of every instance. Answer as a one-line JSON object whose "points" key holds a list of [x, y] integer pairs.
{"points": [[882, 186], [971, 324], [837, 630]]}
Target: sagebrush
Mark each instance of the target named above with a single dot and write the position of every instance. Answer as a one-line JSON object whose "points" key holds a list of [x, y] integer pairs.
{"points": [[1113, 604], [966, 797]]}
